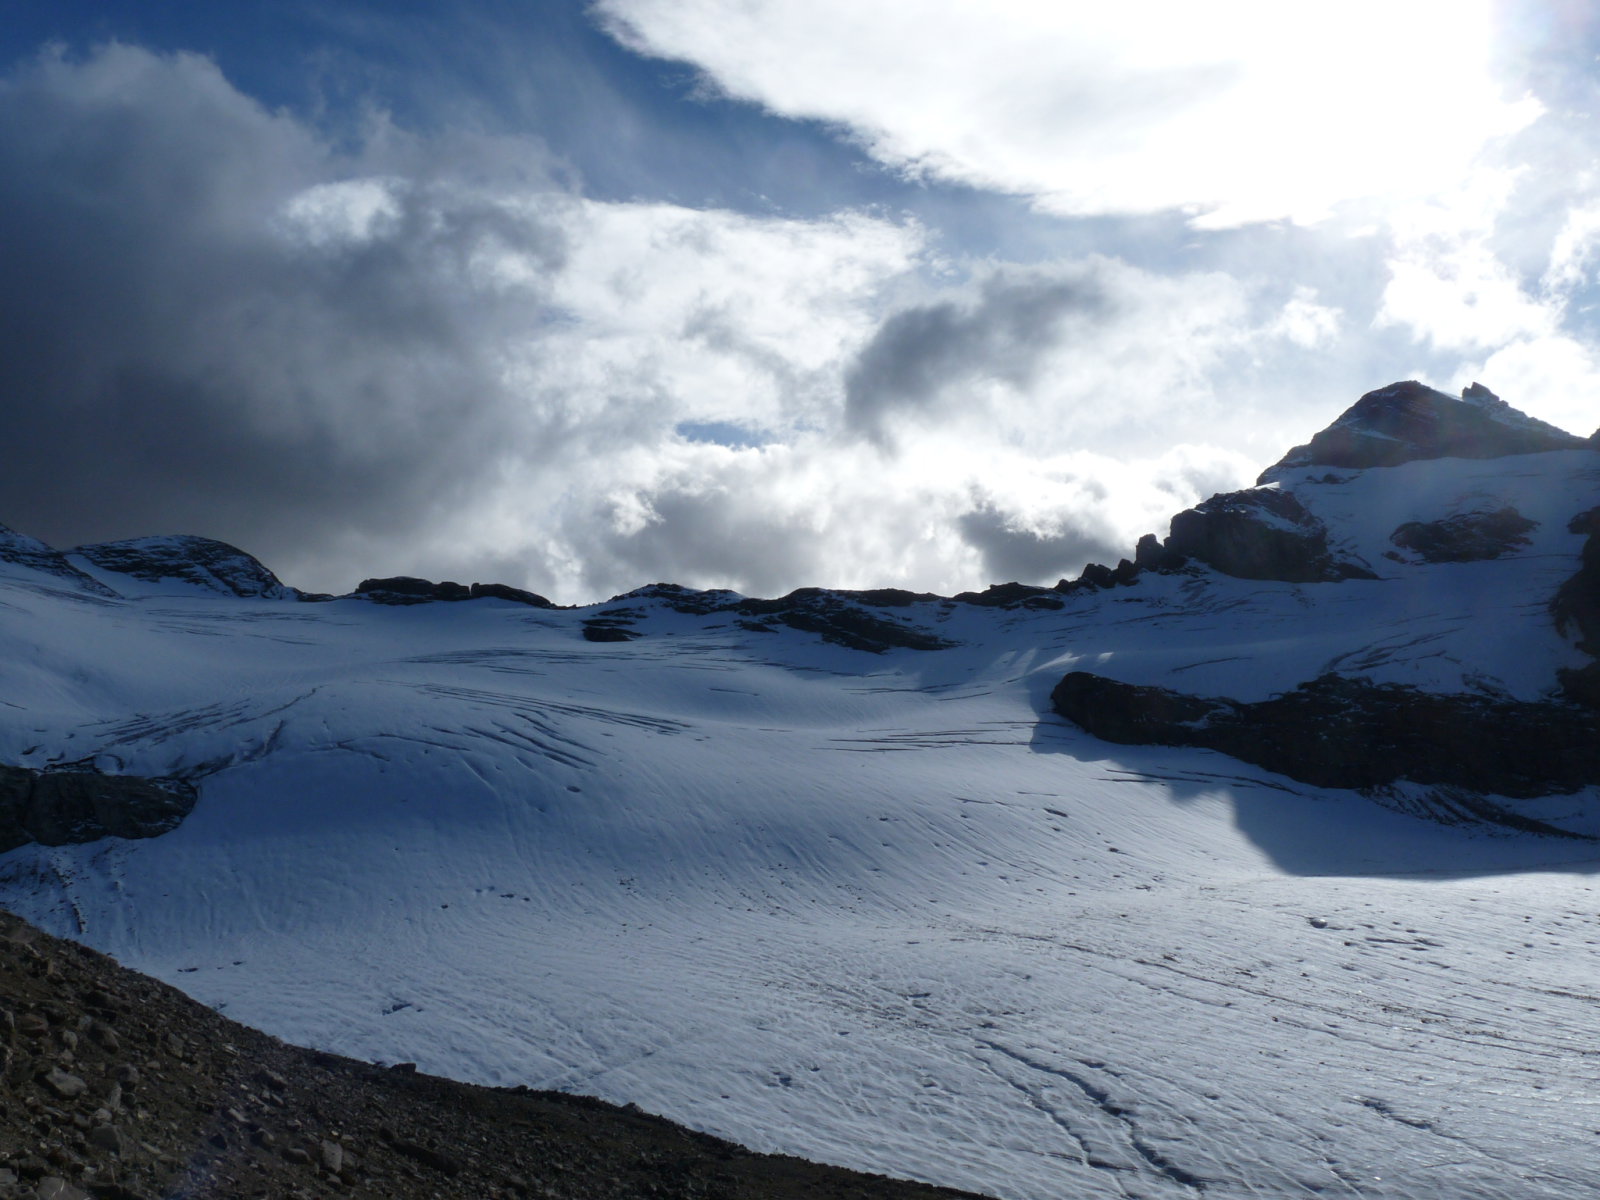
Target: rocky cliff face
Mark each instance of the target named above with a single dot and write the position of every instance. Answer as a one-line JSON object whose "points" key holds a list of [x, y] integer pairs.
{"points": [[57, 808], [1351, 733], [1260, 534]]}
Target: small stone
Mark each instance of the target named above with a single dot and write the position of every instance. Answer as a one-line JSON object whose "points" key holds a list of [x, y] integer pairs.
{"points": [[106, 1137], [273, 1080], [69, 1039], [114, 1097], [263, 1138], [175, 1046], [68, 1087], [234, 1115], [127, 1075], [332, 1156], [1317, 922], [32, 1025], [53, 1187], [106, 1036], [296, 1155]]}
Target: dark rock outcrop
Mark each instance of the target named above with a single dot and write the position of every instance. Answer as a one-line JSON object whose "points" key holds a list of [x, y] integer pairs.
{"points": [[1465, 537], [1576, 609], [835, 619], [34, 555], [1261, 533], [502, 591], [205, 563], [682, 599], [1152, 555], [1408, 421], [1352, 733], [1013, 595], [609, 629], [840, 617], [61, 807], [408, 589]]}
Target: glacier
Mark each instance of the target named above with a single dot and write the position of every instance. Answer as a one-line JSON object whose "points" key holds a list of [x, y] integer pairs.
{"points": [[884, 909]]}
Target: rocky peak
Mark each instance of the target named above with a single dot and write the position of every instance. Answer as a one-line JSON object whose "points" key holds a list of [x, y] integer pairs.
{"points": [[31, 553], [1408, 421], [205, 563]]}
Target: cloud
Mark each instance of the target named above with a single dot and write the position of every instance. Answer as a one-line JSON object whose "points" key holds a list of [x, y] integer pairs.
{"points": [[1237, 111], [1078, 354], [211, 320], [203, 313], [428, 354], [1005, 333], [1017, 553]]}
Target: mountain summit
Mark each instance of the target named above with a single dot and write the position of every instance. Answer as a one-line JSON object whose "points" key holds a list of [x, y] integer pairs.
{"points": [[1408, 421]]}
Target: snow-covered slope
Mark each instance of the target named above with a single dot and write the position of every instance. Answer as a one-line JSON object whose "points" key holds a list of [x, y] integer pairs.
{"points": [[881, 909]]}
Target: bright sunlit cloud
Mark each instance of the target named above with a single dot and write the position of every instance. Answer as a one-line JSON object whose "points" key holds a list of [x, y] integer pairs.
{"points": [[1236, 111]]}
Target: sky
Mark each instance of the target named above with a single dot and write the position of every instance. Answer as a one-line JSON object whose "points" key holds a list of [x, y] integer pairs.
{"points": [[759, 294]]}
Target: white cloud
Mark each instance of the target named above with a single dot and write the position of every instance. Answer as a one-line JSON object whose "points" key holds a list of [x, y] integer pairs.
{"points": [[1572, 255], [1305, 322], [1238, 110], [1465, 279], [1555, 378], [415, 356]]}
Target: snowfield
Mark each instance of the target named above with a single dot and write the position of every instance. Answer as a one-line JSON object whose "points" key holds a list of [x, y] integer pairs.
{"points": [[882, 910]]}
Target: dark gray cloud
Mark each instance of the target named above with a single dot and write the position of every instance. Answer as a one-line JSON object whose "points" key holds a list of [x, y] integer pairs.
{"points": [[1014, 553], [919, 358], [711, 537], [180, 353]]}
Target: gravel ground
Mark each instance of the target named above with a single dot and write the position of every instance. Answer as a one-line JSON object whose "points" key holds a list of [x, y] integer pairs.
{"points": [[118, 1087]]}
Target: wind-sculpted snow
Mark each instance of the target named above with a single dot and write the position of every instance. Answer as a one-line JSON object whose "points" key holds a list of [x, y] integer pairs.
{"points": [[878, 908]]}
